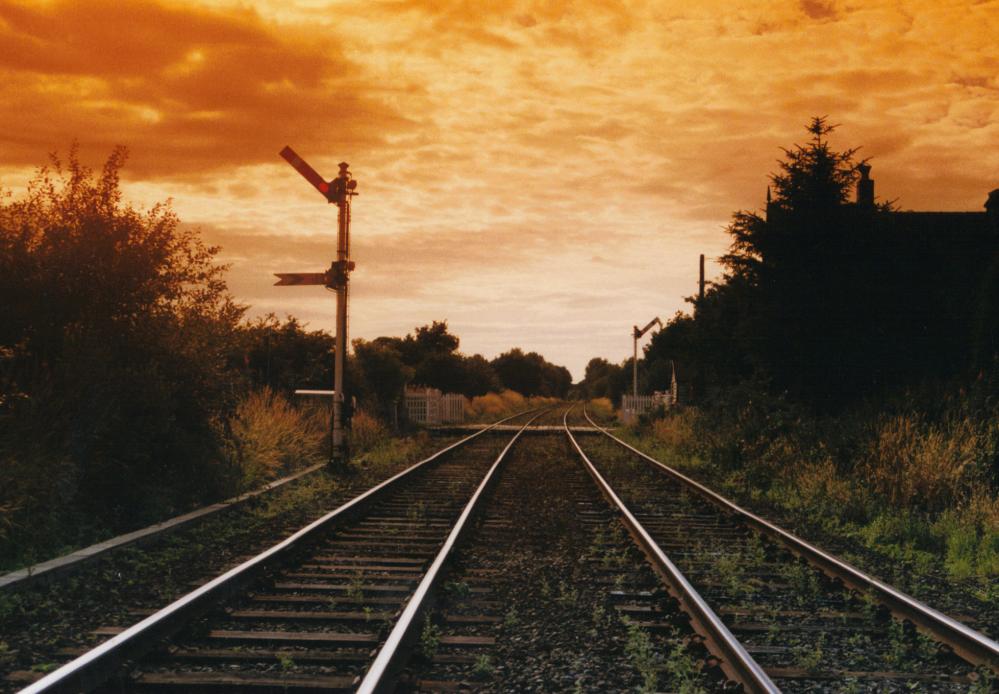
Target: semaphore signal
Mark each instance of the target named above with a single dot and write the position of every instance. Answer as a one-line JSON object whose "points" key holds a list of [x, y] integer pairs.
{"points": [[340, 190]]}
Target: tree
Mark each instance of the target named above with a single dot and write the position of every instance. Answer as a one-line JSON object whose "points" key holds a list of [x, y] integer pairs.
{"points": [[115, 328], [381, 375], [284, 356], [520, 372], [794, 272]]}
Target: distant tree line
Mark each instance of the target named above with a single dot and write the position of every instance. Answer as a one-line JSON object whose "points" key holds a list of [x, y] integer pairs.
{"points": [[286, 356], [828, 302], [123, 356]]}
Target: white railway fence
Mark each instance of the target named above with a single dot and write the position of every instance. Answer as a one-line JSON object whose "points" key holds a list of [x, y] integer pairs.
{"points": [[431, 406]]}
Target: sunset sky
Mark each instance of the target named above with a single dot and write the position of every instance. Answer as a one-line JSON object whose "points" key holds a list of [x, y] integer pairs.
{"points": [[541, 174]]}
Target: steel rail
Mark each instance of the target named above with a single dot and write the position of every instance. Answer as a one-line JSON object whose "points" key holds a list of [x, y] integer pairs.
{"points": [[379, 677], [735, 661], [973, 646], [97, 665]]}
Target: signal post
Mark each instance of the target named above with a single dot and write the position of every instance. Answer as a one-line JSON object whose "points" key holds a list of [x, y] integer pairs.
{"points": [[337, 278]]}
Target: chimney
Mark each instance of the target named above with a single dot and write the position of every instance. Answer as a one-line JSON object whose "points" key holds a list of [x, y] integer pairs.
{"points": [[865, 186], [992, 210]]}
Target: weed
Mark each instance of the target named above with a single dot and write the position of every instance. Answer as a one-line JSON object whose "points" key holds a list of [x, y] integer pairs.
{"points": [[510, 619], [368, 611], [430, 638], [983, 682], [898, 646], [808, 658], [728, 568], [755, 553], [567, 595], [642, 655], [355, 590], [683, 668], [599, 614], [457, 589], [415, 510], [803, 580], [483, 668], [286, 662]]}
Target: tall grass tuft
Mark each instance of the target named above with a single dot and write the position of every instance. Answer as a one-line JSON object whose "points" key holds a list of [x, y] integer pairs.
{"points": [[601, 409], [366, 432], [914, 464], [268, 438]]}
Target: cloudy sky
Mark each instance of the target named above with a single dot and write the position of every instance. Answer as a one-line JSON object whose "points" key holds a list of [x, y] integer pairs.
{"points": [[540, 173]]}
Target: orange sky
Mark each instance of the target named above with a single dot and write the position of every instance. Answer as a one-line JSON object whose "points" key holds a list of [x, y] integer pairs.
{"points": [[540, 174]]}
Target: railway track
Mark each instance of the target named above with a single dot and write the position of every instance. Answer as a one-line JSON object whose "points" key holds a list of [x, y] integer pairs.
{"points": [[779, 613], [334, 601], [501, 567]]}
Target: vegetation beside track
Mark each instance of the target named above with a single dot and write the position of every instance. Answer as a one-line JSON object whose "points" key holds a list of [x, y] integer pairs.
{"points": [[39, 621], [905, 493], [493, 406], [133, 388]]}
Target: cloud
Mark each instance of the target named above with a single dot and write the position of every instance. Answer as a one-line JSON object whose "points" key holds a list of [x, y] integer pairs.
{"points": [[189, 90], [511, 155], [818, 9]]}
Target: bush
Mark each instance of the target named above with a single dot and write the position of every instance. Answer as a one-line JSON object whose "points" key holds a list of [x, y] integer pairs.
{"points": [[601, 409], [493, 406], [269, 438], [678, 430]]}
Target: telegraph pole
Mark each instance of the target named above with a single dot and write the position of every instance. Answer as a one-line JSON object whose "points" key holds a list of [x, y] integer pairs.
{"points": [[340, 190]]}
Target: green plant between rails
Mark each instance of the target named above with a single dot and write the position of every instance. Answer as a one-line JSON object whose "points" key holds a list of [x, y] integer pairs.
{"points": [[642, 655], [430, 638]]}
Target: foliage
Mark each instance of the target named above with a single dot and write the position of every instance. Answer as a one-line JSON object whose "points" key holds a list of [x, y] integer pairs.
{"points": [[531, 374], [493, 406], [928, 479], [380, 376], [831, 302], [603, 380], [268, 438], [283, 356], [431, 358], [114, 330]]}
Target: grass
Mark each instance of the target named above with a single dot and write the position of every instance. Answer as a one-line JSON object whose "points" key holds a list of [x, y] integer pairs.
{"points": [[925, 496], [642, 655]]}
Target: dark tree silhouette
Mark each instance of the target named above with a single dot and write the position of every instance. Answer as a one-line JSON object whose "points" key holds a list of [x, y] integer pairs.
{"points": [[115, 328]]}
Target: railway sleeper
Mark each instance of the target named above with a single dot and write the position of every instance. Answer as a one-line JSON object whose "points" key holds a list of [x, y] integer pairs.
{"points": [[197, 682]]}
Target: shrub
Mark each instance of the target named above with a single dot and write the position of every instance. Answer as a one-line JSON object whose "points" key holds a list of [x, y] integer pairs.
{"points": [[269, 438], [601, 408], [678, 430]]}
